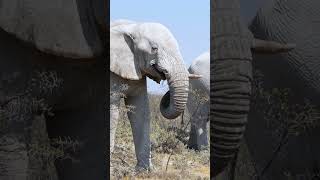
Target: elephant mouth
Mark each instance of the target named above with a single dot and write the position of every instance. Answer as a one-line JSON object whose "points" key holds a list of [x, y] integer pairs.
{"points": [[159, 74]]}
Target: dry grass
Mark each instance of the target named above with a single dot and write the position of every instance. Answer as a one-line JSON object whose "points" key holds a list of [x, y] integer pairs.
{"points": [[167, 138]]}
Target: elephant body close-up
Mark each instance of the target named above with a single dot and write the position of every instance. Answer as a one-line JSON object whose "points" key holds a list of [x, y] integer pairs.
{"points": [[232, 45], [299, 70], [198, 102], [53, 72], [296, 22], [137, 51]]}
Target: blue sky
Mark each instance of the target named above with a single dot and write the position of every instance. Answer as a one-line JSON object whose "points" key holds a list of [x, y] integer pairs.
{"points": [[189, 21]]}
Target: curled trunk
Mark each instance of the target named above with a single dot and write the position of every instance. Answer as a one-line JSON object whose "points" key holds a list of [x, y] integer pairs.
{"points": [[231, 75], [174, 101]]}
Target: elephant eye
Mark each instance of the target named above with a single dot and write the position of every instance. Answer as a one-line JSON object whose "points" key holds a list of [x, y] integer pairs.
{"points": [[154, 49]]}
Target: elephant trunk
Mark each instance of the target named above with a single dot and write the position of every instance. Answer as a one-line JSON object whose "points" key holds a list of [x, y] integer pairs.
{"points": [[230, 85], [174, 101]]}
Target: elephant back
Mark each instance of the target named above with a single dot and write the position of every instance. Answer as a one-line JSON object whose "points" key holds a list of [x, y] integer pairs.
{"points": [[201, 66]]}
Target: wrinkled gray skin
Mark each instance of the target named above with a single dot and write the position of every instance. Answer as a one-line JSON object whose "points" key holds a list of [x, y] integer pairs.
{"points": [[297, 22], [198, 102], [230, 74], [138, 51], [230, 79], [66, 40]]}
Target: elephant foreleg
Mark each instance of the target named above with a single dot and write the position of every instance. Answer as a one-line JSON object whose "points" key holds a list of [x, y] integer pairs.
{"points": [[140, 124], [114, 117], [13, 158]]}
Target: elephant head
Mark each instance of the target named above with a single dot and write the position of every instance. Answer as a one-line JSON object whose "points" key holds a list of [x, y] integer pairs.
{"points": [[149, 49], [231, 77], [75, 29]]}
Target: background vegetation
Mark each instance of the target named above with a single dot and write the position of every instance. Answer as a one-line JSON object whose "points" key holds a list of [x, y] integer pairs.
{"points": [[170, 156], [287, 116]]}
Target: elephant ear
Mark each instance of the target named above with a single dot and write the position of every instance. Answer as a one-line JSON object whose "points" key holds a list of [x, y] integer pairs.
{"points": [[122, 58], [61, 27]]}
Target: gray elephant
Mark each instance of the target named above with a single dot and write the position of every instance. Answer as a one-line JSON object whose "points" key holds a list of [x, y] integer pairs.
{"points": [[140, 50], [53, 58], [198, 102], [230, 79], [284, 156]]}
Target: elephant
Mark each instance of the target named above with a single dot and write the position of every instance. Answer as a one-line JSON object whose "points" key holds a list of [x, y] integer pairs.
{"points": [[53, 77], [232, 45], [139, 50], [198, 102], [299, 70]]}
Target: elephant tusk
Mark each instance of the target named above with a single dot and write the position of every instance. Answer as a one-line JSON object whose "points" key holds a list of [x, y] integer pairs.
{"points": [[263, 46], [194, 76]]}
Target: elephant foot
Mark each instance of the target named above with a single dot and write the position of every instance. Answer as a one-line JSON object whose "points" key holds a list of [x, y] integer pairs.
{"points": [[198, 147], [139, 169], [13, 159]]}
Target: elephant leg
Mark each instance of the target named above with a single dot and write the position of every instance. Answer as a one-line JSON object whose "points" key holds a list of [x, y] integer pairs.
{"points": [[23, 135], [114, 118], [22, 151], [42, 165], [140, 124], [13, 158], [198, 137], [83, 133], [199, 131]]}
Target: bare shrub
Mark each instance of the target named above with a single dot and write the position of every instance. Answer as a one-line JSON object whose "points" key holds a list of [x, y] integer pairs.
{"points": [[286, 116]]}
